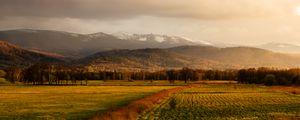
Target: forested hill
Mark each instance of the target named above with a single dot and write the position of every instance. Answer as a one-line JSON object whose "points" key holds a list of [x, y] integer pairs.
{"points": [[199, 57], [14, 56]]}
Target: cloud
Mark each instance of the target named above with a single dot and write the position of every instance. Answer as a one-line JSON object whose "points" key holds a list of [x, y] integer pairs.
{"points": [[122, 9], [219, 21]]}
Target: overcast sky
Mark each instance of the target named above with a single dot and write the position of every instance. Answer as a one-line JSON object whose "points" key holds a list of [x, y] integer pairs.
{"points": [[246, 22]]}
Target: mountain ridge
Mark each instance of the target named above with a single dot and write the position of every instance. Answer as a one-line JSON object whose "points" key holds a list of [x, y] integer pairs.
{"points": [[197, 57], [12, 55], [80, 45]]}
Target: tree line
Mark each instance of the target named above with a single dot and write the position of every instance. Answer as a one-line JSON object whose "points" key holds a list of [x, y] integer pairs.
{"points": [[40, 74], [269, 76]]}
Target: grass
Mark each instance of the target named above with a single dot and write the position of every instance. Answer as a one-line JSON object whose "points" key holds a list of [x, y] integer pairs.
{"points": [[4, 82], [136, 108], [135, 83], [153, 83], [67, 102], [128, 100], [228, 102]]}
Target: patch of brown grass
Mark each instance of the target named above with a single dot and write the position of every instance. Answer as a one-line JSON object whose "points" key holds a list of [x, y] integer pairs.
{"points": [[133, 109], [293, 90], [285, 118]]}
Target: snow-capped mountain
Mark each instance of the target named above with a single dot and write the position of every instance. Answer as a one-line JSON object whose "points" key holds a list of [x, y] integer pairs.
{"points": [[80, 45], [122, 35], [159, 38]]}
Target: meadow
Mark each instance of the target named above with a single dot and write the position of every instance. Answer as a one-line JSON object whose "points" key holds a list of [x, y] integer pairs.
{"points": [[67, 102], [123, 99], [136, 83], [228, 101]]}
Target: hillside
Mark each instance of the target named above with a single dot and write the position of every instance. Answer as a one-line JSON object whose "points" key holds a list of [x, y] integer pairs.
{"points": [[203, 57], [12, 55], [242, 56], [151, 59]]}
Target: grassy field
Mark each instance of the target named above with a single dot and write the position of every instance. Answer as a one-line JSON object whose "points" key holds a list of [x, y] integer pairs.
{"points": [[211, 100], [136, 83], [153, 83], [228, 102], [67, 102]]}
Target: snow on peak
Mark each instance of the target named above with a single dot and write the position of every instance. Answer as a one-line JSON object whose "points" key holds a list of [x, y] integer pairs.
{"points": [[198, 41], [159, 38], [142, 39], [100, 34], [94, 35], [122, 35], [175, 39], [188, 39], [204, 42]]}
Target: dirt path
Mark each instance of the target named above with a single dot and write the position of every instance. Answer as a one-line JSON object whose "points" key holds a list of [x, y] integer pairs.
{"points": [[135, 108]]}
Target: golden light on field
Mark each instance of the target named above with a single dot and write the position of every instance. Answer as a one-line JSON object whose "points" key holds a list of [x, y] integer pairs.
{"points": [[297, 10]]}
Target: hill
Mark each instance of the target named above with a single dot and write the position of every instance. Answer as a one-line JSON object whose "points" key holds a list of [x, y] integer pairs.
{"points": [[202, 57], [12, 55]]}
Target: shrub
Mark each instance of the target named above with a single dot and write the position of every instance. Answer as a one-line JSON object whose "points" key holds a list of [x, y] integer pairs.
{"points": [[270, 79], [2, 73], [173, 103]]}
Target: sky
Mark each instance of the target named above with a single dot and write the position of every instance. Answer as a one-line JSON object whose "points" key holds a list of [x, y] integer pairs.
{"points": [[243, 22]]}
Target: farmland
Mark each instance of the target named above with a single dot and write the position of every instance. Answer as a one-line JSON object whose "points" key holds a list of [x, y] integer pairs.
{"points": [[201, 100], [228, 102], [67, 102]]}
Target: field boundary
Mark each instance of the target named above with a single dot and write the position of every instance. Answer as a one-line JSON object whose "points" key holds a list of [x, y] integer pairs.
{"points": [[135, 108]]}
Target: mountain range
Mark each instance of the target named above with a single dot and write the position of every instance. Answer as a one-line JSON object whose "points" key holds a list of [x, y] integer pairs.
{"points": [[123, 51], [75, 45]]}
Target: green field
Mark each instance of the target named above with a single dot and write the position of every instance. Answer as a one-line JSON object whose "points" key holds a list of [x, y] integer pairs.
{"points": [[228, 102], [66, 102]]}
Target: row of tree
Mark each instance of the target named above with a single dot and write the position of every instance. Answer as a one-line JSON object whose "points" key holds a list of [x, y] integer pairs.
{"points": [[40, 74], [269, 76], [62, 75]]}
